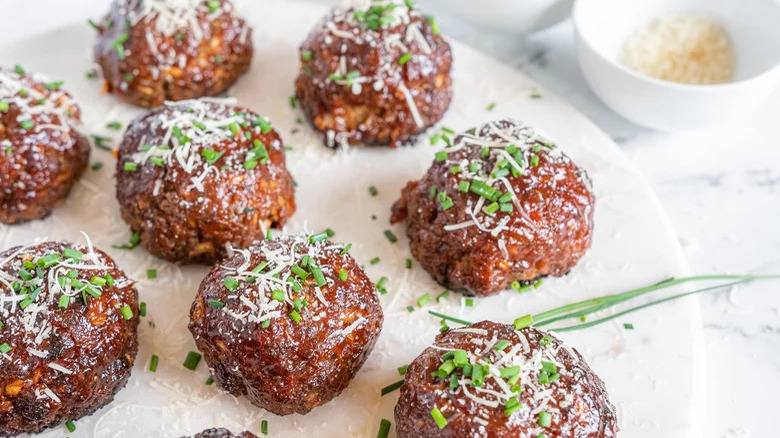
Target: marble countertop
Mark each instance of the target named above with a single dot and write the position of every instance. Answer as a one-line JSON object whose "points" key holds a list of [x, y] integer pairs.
{"points": [[721, 189]]}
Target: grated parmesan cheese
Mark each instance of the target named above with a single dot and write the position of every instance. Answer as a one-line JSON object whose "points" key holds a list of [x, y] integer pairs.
{"points": [[687, 49]]}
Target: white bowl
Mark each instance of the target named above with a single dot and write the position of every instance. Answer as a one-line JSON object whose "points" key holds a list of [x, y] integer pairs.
{"points": [[508, 16], [602, 26]]}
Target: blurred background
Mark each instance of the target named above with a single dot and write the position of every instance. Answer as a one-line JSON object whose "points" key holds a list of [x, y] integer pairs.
{"points": [[720, 187]]}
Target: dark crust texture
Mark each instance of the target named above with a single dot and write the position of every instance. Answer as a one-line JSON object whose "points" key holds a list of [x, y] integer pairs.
{"points": [[377, 115], [93, 341], [553, 233], [222, 433], [179, 65], [184, 224], [289, 367], [584, 408], [42, 164]]}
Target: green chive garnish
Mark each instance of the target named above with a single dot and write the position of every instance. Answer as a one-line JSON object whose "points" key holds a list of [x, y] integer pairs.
{"points": [[70, 425], [390, 236], [384, 428], [231, 283], [438, 418], [153, 364], [264, 427], [392, 387], [127, 312], [192, 360], [5, 348], [544, 419]]}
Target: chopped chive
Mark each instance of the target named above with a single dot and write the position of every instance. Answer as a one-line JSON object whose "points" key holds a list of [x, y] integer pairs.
{"points": [[213, 5], [390, 236], [346, 249], [19, 69], [318, 277], [373, 191], [5, 348], [131, 166], [278, 295], [501, 345], [127, 312], [192, 360], [295, 316], [265, 125], [64, 301], [402, 369], [72, 254], [307, 55], [264, 427], [384, 428], [343, 275], [628, 326], [210, 381], [403, 59], [491, 106], [216, 304], [293, 101], [535, 160], [442, 295], [423, 300], [441, 156], [151, 274], [438, 418], [318, 237], [408, 263], [153, 363], [410, 309], [231, 283], [97, 166], [523, 322], [374, 261], [26, 124], [469, 302], [142, 308], [70, 425], [544, 419], [512, 405], [4, 105], [392, 387], [116, 126]]}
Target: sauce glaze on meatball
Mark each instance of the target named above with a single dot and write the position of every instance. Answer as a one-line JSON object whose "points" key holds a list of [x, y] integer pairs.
{"points": [[69, 334], [287, 322], [196, 176], [377, 74], [43, 149], [502, 206], [490, 380], [151, 51]]}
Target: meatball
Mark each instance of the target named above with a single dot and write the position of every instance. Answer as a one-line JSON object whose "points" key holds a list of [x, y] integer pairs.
{"points": [[378, 75], [490, 380], [287, 322], [43, 149], [68, 338], [222, 433], [501, 206], [197, 176], [151, 51]]}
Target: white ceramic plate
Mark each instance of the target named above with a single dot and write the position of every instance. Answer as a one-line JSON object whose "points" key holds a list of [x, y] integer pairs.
{"points": [[652, 373]]}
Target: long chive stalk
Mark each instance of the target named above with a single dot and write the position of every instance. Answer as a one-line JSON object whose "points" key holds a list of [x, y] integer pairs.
{"points": [[587, 307]]}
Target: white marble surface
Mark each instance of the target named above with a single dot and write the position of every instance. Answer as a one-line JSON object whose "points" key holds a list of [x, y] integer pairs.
{"points": [[721, 189]]}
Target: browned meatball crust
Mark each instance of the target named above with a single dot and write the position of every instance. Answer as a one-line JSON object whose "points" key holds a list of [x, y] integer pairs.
{"points": [[151, 51], [43, 150], [501, 206], [374, 76], [196, 176], [527, 385], [222, 433], [69, 335], [286, 323]]}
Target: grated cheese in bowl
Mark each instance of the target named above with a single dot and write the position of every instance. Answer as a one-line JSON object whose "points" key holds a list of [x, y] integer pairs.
{"points": [[687, 49]]}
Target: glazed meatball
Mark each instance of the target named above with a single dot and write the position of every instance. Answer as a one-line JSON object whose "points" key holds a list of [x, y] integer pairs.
{"points": [[222, 433], [375, 75], [287, 322], [500, 207], [43, 150], [490, 380], [69, 334], [197, 176], [151, 51]]}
